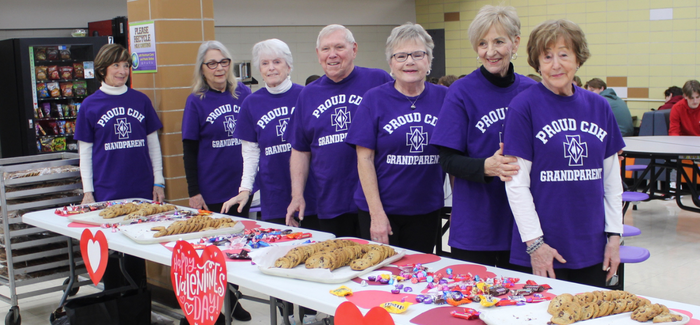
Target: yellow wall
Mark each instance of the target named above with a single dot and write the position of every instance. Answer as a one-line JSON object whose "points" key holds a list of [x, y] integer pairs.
{"points": [[622, 39]]}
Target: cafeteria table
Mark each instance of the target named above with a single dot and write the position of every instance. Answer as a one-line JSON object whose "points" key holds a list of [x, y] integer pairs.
{"points": [[317, 296], [667, 153]]}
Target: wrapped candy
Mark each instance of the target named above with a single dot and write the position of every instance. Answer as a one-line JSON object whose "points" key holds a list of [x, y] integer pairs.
{"points": [[396, 307], [342, 291]]}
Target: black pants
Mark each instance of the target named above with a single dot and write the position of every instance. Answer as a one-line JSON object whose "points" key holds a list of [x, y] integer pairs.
{"points": [[499, 259], [344, 225], [134, 266], [233, 211], [592, 275], [416, 232]]}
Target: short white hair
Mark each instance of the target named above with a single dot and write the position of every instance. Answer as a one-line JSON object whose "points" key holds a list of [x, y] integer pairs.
{"points": [[330, 29], [406, 33], [273, 47]]}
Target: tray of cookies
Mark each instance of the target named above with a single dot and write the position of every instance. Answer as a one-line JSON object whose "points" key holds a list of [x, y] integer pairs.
{"points": [[330, 261], [589, 308], [196, 227], [124, 212]]}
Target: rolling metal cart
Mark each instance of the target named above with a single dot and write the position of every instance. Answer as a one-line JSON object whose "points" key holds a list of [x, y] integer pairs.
{"points": [[26, 184]]}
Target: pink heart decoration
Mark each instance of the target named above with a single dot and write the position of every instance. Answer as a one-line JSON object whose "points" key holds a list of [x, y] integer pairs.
{"points": [[199, 282], [441, 315], [95, 254], [372, 298], [348, 314]]}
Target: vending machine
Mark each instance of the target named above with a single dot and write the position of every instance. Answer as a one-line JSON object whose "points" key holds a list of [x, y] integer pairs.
{"points": [[42, 84]]}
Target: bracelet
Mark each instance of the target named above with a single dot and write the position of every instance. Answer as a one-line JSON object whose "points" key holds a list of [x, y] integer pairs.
{"points": [[159, 185], [532, 248]]}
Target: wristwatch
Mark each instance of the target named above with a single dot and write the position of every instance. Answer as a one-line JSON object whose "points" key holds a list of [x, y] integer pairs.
{"points": [[610, 234]]}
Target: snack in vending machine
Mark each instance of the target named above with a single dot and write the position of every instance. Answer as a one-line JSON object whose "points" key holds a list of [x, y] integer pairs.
{"points": [[65, 54], [58, 144], [59, 110], [80, 88], [40, 53], [54, 74], [66, 72], [67, 89], [42, 72], [46, 144], [52, 53], [72, 146], [54, 89], [47, 109], [61, 127], [41, 90], [67, 110], [78, 70], [54, 127]]}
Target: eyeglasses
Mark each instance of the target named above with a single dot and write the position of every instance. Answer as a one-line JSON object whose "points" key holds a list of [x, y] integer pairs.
{"points": [[402, 56], [212, 64]]}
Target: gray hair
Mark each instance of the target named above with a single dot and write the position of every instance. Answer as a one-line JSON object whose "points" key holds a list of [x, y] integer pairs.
{"points": [[199, 84], [406, 33], [274, 47], [490, 16], [330, 29]]}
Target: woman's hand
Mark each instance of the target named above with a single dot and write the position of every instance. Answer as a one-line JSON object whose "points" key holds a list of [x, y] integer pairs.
{"points": [[241, 199], [298, 204], [88, 198], [500, 165], [197, 202], [611, 258], [158, 194], [380, 228], [542, 261]]}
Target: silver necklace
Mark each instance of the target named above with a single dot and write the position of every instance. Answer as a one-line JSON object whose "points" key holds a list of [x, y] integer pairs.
{"points": [[413, 103]]}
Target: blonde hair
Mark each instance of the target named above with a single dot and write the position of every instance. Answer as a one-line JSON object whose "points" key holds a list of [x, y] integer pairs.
{"points": [[489, 16], [547, 33], [199, 84]]}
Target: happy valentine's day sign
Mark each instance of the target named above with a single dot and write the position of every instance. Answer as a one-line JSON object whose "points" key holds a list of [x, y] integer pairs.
{"points": [[199, 282]]}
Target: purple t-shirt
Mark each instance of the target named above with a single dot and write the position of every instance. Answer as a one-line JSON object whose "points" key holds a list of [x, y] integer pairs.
{"points": [[566, 139], [263, 119], [409, 175], [320, 123], [117, 126], [211, 121], [471, 121]]}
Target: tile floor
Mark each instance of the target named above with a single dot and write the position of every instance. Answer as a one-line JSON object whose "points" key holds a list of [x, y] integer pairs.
{"points": [[670, 234]]}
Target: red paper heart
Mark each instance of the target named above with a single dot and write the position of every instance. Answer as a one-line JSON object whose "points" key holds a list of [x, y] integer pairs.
{"points": [[94, 253], [348, 314], [199, 282]]}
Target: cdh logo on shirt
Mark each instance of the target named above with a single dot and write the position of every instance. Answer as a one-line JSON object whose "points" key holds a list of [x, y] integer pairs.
{"points": [[575, 150], [282, 127], [229, 124], [122, 128], [416, 139], [341, 119]]}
